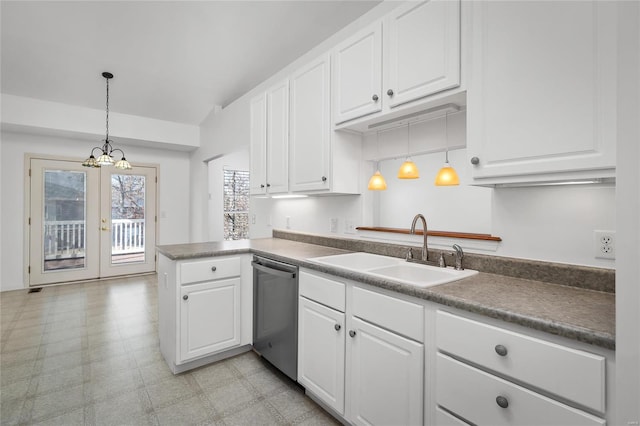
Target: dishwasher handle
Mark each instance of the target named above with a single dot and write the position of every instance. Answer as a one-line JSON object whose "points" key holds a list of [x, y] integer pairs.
{"points": [[272, 271]]}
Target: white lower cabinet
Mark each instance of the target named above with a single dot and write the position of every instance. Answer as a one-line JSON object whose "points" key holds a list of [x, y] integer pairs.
{"points": [[209, 317], [490, 375], [321, 352], [360, 358], [201, 304], [385, 377]]}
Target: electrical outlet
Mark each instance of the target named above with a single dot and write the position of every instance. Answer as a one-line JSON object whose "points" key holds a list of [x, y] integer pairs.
{"points": [[604, 243], [333, 225], [349, 227]]}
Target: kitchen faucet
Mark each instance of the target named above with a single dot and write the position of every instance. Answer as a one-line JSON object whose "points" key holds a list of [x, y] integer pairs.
{"points": [[425, 252]]}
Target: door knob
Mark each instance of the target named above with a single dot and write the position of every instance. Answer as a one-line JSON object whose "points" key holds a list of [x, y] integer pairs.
{"points": [[390, 92], [475, 161], [213, 269], [352, 333], [185, 297], [501, 350], [337, 327], [375, 98]]}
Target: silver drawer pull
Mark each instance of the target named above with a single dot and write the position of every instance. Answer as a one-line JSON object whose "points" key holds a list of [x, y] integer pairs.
{"points": [[502, 401], [501, 350], [213, 269]]}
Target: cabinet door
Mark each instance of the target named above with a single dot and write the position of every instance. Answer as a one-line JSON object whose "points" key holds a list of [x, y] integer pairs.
{"points": [[542, 95], [321, 352], [258, 145], [209, 318], [310, 127], [386, 375], [423, 41], [278, 138], [357, 75]]}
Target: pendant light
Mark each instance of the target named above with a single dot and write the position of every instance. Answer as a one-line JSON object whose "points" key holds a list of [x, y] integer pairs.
{"points": [[447, 175], [408, 169], [106, 157], [377, 182]]}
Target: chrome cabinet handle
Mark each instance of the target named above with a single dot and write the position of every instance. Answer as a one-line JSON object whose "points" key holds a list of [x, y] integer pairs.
{"points": [[352, 333], [337, 327], [213, 269], [502, 401], [375, 98], [390, 92], [475, 161], [185, 297], [501, 350]]}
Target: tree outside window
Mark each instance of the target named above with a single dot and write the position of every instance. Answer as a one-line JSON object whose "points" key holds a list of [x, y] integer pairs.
{"points": [[236, 204]]}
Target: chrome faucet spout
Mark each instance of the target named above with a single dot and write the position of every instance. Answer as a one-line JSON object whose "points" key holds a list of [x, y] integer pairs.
{"points": [[425, 251]]}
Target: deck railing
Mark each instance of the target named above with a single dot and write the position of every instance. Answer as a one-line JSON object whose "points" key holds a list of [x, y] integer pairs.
{"points": [[65, 239]]}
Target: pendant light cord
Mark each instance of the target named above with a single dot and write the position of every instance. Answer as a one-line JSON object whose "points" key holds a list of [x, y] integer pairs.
{"points": [[107, 137], [446, 136]]}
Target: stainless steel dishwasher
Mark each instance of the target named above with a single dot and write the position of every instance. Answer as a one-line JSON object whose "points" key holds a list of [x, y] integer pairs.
{"points": [[275, 313]]}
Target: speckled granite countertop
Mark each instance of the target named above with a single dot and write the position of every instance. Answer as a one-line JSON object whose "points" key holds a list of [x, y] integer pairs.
{"points": [[584, 315]]}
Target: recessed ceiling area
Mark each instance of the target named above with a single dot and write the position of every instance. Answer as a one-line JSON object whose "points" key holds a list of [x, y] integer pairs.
{"points": [[172, 60]]}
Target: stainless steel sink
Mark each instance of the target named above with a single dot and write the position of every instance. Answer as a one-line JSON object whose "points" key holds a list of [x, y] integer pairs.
{"points": [[415, 274]]}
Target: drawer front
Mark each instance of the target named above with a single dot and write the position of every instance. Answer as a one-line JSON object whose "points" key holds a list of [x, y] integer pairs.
{"points": [[472, 394], [323, 290], [397, 315], [572, 374], [209, 270]]}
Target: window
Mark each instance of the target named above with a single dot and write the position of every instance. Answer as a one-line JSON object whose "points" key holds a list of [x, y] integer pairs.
{"points": [[236, 204]]}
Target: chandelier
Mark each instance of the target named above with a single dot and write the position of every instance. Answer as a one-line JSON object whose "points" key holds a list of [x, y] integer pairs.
{"points": [[106, 156]]}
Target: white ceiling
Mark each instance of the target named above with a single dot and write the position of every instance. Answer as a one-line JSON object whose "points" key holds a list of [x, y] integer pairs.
{"points": [[172, 60]]}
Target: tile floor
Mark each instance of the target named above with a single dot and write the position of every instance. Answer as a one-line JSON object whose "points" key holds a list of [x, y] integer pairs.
{"points": [[88, 354]]}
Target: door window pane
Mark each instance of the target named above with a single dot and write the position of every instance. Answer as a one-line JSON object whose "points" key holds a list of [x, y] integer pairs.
{"points": [[64, 220], [127, 219]]}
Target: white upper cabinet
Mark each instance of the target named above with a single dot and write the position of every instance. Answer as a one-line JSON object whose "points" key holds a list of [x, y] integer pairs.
{"points": [[310, 143], [411, 54], [270, 141], [321, 159], [541, 100], [278, 138], [357, 74], [423, 42], [258, 144]]}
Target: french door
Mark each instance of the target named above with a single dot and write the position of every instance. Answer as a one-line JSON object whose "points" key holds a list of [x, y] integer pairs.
{"points": [[87, 223]]}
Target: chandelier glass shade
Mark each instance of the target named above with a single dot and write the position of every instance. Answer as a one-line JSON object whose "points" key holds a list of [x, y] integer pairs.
{"points": [[105, 158]]}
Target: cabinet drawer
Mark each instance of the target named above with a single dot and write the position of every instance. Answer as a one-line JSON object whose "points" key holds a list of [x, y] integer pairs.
{"points": [[472, 394], [396, 315], [328, 292], [209, 269], [572, 374]]}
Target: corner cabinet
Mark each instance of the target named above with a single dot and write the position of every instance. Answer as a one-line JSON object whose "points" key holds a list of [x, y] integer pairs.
{"points": [[541, 99], [418, 56], [269, 143], [321, 160], [200, 303]]}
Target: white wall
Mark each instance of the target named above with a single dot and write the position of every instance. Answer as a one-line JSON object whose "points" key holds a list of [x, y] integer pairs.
{"points": [[227, 131], [628, 217], [234, 161], [173, 196]]}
